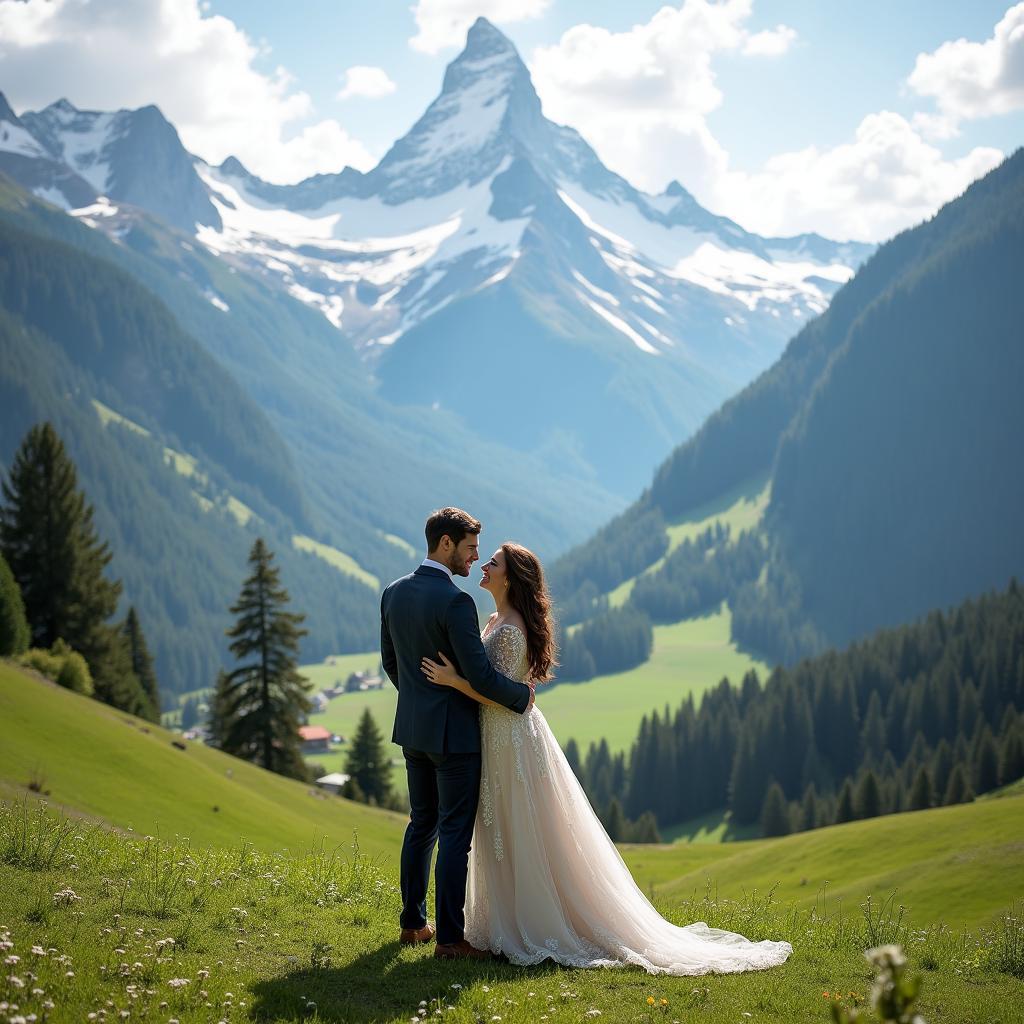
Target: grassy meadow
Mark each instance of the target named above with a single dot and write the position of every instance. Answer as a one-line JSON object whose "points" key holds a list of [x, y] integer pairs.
{"points": [[126, 896], [107, 926], [108, 766], [689, 657]]}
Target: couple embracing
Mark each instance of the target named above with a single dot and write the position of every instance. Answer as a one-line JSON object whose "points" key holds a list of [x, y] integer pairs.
{"points": [[525, 869]]}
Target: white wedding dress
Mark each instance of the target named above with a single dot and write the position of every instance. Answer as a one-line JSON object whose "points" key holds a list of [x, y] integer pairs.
{"points": [[546, 882]]}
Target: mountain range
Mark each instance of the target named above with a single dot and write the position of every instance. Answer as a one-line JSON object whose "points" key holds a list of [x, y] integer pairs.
{"points": [[489, 249]]}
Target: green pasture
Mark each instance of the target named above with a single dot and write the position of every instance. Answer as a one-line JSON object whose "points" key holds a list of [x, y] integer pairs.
{"points": [[107, 765], [689, 657], [957, 864]]}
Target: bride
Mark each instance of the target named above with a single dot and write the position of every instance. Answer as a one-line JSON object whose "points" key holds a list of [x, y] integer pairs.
{"points": [[545, 881]]}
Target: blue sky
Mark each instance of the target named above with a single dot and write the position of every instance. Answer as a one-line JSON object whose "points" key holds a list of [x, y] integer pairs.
{"points": [[849, 59], [853, 120]]}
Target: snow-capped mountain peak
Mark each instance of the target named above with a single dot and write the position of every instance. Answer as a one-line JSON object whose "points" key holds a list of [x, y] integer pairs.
{"points": [[469, 129]]}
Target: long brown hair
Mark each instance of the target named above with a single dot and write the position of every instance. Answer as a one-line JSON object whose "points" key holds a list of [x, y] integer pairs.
{"points": [[528, 594]]}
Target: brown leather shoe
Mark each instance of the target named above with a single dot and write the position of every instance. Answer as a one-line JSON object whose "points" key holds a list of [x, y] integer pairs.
{"points": [[414, 936], [461, 950]]}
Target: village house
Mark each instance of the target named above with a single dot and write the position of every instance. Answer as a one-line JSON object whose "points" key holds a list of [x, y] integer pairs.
{"points": [[315, 739]]}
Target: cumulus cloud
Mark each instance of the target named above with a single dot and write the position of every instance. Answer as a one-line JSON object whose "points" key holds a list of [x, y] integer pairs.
{"points": [[200, 69], [443, 23], [369, 82], [641, 96], [770, 43], [970, 80], [886, 179]]}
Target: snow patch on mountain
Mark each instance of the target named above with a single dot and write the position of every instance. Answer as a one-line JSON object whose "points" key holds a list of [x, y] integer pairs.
{"points": [[16, 139]]}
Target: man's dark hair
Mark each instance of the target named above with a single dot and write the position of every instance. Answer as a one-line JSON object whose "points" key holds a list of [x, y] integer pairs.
{"points": [[452, 522]]}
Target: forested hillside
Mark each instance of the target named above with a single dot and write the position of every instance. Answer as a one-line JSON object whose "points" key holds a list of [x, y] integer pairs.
{"points": [[915, 717], [888, 433], [75, 330]]}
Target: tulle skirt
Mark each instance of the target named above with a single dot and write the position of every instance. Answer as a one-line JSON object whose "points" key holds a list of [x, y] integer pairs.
{"points": [[546, 882]]}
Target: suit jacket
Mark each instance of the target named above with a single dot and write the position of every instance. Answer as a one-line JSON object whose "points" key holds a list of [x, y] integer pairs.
{"points": [[421, 614]]}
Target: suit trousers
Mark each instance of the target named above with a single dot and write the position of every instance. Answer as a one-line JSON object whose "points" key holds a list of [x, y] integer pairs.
{"points": [[444, 790]]}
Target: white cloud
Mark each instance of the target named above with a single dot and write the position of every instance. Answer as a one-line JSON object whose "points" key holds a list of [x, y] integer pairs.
{"points": [[770, 43], [642, 99], [370, 82], [888, 178], [971, 80], [443, 23], [200, 69], [641, 96]]}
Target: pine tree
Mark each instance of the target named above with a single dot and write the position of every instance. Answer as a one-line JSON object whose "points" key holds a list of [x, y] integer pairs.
{"points": [[957, 791], [367, 762], [645, 829], [189, 713], [1011, 760], [775, 812], [845, 807], [868, 802], [615, 821], [809, 808], [48, 539], [142, 662], [265, 698], [921, 793], [572, 755], [986, 764], [14, 632]]}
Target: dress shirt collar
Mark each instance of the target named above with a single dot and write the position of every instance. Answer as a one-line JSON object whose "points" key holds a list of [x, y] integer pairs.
{"points": [[430, 563]]}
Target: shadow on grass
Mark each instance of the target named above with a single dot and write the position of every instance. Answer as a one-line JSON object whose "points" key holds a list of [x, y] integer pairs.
{"points": [[378, 986]]}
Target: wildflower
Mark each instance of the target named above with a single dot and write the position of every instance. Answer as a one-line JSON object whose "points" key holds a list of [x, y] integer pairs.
{"points": [[650, 1000], [456, 985], [593, 1013], [14, 981], [664, 1002], [38, 951], [179, 982], [11, 960], [66, 897]]}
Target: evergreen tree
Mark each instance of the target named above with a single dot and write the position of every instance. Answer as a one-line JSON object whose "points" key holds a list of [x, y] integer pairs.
{"points": [[142, 662], [14, 632], [367, 762], [265, 698], [48, 539], [986, 764], [775, 812], [868, 802], [615, 821], [845, 808], [572, 755], [644, 829], [1011, 759], [809, 809], [921, 793], [957, 791], [219, 719], [189, 713]]}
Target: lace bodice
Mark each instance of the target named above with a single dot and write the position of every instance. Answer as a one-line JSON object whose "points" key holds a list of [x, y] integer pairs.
{"points": [[506, 649]]}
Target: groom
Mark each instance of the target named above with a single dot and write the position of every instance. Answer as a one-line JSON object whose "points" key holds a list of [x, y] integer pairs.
{"points": [[438, 727]]}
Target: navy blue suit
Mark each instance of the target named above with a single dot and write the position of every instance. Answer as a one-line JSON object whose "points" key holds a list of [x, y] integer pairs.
{"points": [[439, 731]]}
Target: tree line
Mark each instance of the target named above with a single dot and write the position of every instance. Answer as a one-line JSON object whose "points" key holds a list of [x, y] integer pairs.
{"points": [[56, 602], [918, 716]]}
